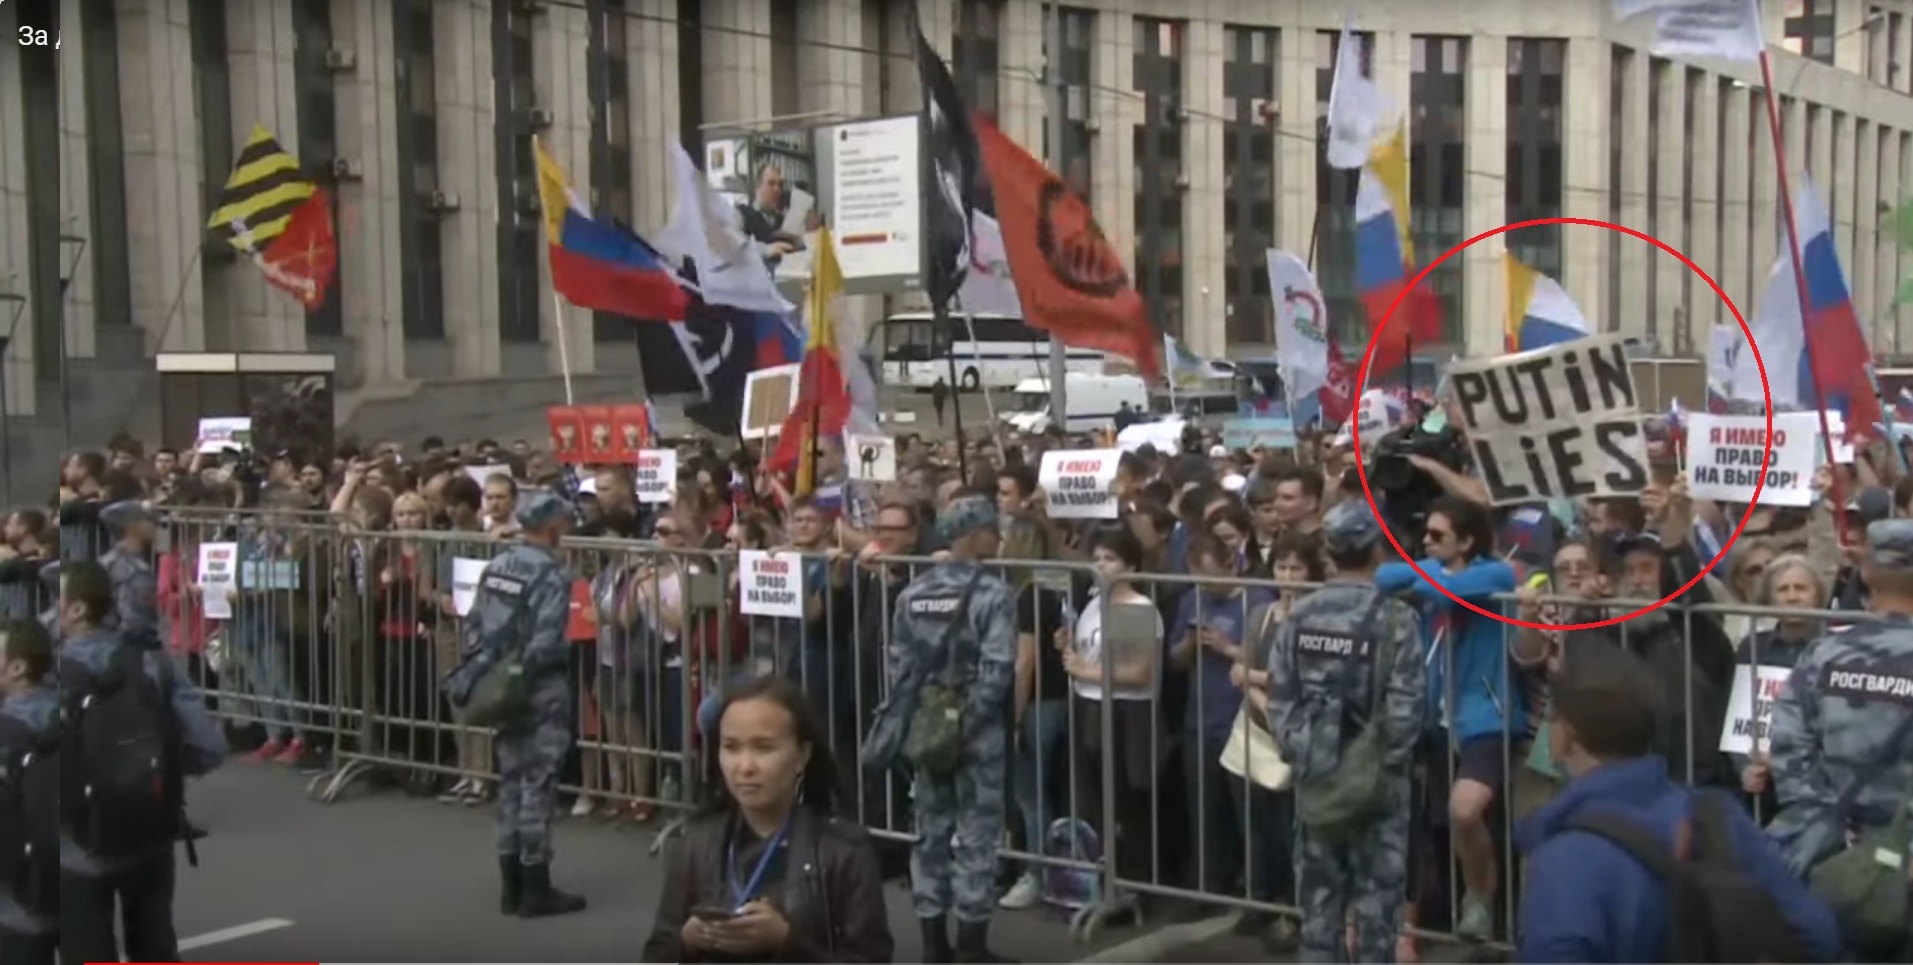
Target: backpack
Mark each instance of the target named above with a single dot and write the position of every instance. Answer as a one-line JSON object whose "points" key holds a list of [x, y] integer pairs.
{"points": [[30, 816], [121, 782], [1345, 802], [1074, 840], [934, 742], [1716, 910]]}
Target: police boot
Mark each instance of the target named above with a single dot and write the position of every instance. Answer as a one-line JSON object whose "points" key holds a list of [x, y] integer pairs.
{"points": [[972, 944], [936, 940], [511, 879], [538, 899]]}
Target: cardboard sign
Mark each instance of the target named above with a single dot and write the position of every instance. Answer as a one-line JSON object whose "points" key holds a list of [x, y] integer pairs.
{"points": [[1080, 484], [224, 433], [465, 574], [1749, 715], [598, 433], [218, 579], [630, 432], [871, 458], [1724, 453], [567, 434], [770, 584], [769, 395], [656, 478], [1561, 422]]}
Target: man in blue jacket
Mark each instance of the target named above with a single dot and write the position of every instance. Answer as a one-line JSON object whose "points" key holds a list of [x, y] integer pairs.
{"points": [[1587, 899], [1471, 681]]}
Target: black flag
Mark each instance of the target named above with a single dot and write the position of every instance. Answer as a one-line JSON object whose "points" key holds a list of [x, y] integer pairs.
{"points": [[953, 175]]}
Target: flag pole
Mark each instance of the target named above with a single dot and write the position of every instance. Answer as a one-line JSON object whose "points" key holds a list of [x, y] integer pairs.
{"points": [[564, 348], [1800, 289], [940, 321]]}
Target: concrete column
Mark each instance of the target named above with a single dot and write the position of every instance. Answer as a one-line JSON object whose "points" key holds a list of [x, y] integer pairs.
{"points": [[15, 276], [651, 55], [1865, 164], [1584, 179], [1744, 263], [1764, 221], [164, 211], [1669, 276], [1886, 250], [259, 53], [76, 187], [1113, 168], [1296, 188], [831, 58], [1901, 312], [1205, 301], [737, 60], [1481, 328], [464, 57], [1839, 184], [1703, 232], [1850, 42], [563, 85], [1022, 97], [374, 302], [1636, 257]]}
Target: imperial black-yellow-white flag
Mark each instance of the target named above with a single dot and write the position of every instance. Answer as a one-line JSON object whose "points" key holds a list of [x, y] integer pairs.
{"points": [[270, 212]]}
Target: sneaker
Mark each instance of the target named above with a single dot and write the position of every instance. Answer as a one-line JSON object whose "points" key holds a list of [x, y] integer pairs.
{"points": [[294, 753], [457, 794], [1026, 892], [1477, 921], [268, 751], [583, 807]]}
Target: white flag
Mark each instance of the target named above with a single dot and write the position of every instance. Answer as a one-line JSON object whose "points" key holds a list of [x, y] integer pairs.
{"points": [[987, 287], [704, 228], [1727, 29], [1301, 326], [1358, 111]]}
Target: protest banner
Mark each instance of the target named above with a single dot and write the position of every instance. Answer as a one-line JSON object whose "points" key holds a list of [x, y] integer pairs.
{"points": [[772, 584], [1560, 422], [224, 433], [630, 432], [218, 579], [657, 475], [1724, 453], [1748, 716], [1080, 484], [769, 395], [465, 574], [871, 458], [598, 434], [1268, 432], [567, 433]]}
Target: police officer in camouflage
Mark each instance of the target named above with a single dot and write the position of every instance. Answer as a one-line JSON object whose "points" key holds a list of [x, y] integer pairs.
{"points": [[1844, 722], [521, 604], [1324, 665], [956, 623], [135, 579]]}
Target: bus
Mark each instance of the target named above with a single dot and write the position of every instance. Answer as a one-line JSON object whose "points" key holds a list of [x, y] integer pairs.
{"points": [[990, 351]]}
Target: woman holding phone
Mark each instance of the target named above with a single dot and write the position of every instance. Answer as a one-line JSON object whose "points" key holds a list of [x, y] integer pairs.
{"points": [[774, 871]]}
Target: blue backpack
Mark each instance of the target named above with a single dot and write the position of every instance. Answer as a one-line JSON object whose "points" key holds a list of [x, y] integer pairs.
{"points": [[1072, 888]]}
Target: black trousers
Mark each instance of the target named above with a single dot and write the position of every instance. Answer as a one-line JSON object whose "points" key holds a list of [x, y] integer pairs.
{"points": [[140, 897], [18, 949]]}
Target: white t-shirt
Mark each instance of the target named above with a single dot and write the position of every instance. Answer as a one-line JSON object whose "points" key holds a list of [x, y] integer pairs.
{"points": [[1088, 641]]}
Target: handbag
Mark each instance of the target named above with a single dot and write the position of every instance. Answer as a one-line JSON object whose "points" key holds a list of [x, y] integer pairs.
{"points": [[1250, 752], [1865, 885]]}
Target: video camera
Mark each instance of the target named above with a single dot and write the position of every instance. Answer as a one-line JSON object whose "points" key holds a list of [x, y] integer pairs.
{"points": [[1407, 492]]}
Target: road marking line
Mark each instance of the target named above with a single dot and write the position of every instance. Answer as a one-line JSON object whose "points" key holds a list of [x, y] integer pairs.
{"points": [[234, 933]]}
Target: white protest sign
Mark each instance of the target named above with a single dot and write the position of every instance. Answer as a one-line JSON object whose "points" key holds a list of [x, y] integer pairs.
{"points": [[871, 458], [1748, 715], [1561, 422], [770, 584], [223, 433], [465, 574], [657, 475], [1837, 431], [218, 579], [1080, 483], [1724, 453]]}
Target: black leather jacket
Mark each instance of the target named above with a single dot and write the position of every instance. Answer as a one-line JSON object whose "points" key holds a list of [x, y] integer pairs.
{"points": [[832, 892]]}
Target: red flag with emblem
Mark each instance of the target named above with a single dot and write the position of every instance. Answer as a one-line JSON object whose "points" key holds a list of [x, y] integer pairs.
{"points": [[1337, 395], [303, 259]]}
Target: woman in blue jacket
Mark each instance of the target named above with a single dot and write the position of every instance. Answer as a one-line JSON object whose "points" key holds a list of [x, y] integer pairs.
{"points": [[1470, 684]]}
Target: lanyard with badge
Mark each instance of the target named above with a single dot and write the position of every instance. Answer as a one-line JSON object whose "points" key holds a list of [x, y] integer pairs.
{"points": [[743, 895]]}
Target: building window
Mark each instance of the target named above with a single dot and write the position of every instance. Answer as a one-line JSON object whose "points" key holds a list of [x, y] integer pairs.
{"points": [[1073, 158], [975, 53], [520, 304], [420, 255], [106, 165], [1810, 28], [1657, 71], [1248, 159], [787, 83], [1534, 150], [318, 131], [47, 257], [1437, 164], [1333, 245], [610, 78], [690, 77], [1160, 171]]}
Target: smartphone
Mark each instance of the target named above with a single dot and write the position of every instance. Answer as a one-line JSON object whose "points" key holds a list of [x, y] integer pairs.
{"points": [[713, 913]]}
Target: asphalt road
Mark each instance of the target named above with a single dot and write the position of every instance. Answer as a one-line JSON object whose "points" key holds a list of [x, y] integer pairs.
{"points": [[379, 877]]}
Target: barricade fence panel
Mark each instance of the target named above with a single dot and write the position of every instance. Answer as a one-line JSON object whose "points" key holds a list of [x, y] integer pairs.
{"points": [[1140, 766]]}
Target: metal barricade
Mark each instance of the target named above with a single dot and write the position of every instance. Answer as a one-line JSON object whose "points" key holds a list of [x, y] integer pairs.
{"points": [[337, 639]]}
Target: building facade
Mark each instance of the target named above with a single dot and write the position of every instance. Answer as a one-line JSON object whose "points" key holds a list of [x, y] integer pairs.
{"points": [[1196, 138]]}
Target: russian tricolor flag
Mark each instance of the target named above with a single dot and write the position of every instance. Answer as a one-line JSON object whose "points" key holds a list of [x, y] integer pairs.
{"points": [[1837, 358], [599, 266], [1385, 258], [1540, 313]]}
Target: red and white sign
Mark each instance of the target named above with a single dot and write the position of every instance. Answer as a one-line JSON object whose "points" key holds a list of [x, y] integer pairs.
{"points": [[657, 475], [1080, 484]]}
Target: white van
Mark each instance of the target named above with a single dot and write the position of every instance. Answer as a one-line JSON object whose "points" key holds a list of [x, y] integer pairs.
{"points": [[1093, 400]]}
